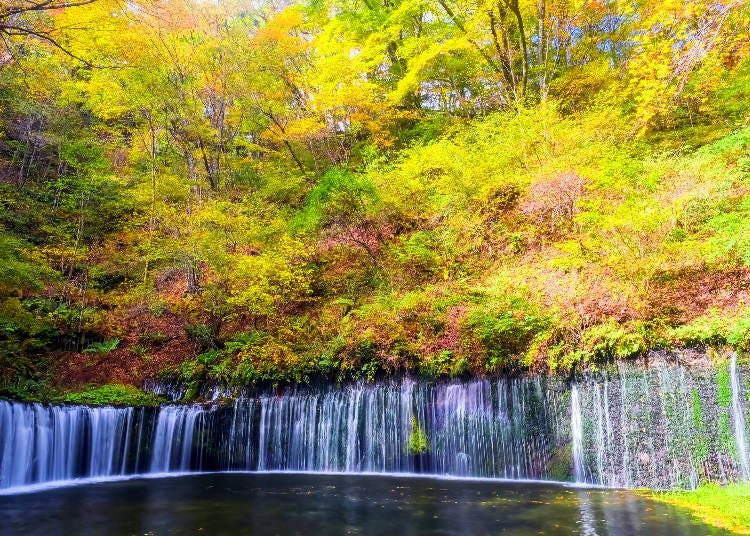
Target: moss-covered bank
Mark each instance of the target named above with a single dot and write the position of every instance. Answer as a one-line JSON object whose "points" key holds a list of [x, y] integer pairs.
{"points": [[722, 506]]}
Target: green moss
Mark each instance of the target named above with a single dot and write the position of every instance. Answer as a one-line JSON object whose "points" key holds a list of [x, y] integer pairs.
{"points": [[112, 394], [726, 435], [724, 391], [697, 410], [700, 445], [560, 467], [722, 506]]}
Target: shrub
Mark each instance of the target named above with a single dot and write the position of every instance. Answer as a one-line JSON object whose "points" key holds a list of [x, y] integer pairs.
{"points": [[418, 442], [554, 202], [611, 339], [506, 335], [200, 334], [438, 365], [240, 341], [703, 331], [459, 368]]}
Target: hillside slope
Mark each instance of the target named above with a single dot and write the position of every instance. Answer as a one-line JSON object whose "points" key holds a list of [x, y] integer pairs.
{"points": [[260, 202]]}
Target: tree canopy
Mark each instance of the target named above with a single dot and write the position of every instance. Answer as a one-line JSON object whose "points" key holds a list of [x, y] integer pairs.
{"points": [[246, 193]]}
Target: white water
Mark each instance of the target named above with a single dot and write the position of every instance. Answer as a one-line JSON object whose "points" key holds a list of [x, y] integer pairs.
{"points": [[738, 419], [33, 488], [173, 439], [501, 429], [42, 443], [642, 427], [576, 431]]}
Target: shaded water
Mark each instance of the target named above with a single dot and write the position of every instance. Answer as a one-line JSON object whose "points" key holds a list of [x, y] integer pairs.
{"points": [[260, 504]]}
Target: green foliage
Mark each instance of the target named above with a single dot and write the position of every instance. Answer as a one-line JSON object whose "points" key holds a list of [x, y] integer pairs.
{"points": [[703, 331], [17, 271], [365, 355], [365, 191], [612, 340], [506, 334], [139, 350], [418, 442], [331, 358], [422, 251], [739, 335], [103, 347], [339, 196], [726, 435], [111, 394], [241, 341], [26, 389], [700, 447], [198, 368], [731, 233], [200, 334], [459, 368]]}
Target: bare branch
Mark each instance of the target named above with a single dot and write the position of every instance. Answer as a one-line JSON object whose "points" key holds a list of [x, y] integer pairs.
{"points": [[16, 30]]}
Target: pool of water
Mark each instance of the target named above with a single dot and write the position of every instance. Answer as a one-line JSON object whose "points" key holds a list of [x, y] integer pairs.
{"points": [[309, 504]]}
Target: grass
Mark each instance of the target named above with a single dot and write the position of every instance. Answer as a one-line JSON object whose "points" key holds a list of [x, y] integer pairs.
{"points": [[727, 507]]}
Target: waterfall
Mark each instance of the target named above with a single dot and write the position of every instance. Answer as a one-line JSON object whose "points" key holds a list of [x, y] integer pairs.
{"points": [[657, 425], [47, 443], [738, 419], [173, 439], [478, 428], [506, 428], [576, 432]]}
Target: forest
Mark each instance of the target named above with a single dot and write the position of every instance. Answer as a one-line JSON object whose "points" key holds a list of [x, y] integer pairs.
{"points": [[259, 193]]}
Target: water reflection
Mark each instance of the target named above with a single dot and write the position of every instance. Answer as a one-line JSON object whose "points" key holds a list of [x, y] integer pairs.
{"points": [[263, 504], [588, 521]]}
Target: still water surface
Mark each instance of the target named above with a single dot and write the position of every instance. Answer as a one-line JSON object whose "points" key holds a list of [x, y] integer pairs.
{"points": [[271, 504]]}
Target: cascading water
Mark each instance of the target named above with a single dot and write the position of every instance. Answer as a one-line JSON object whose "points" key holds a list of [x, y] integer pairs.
{"points": [[738, 418], [47, 443], [576, 432], [172, 391], [173, 438], [505, 428], [482, 428], [657, 426]]}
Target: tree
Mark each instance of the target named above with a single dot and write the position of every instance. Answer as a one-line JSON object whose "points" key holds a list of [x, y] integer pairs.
{"points": [[672, 40], [25, 18]]}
